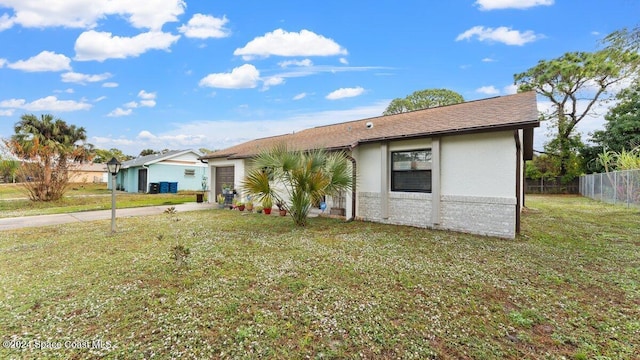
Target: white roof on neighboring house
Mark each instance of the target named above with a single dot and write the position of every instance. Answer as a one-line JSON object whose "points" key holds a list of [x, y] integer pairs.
{"points": [[154, 158]]}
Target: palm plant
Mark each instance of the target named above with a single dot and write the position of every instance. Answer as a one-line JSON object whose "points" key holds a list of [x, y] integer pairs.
{"points": [[297, 179], [49, 145]]}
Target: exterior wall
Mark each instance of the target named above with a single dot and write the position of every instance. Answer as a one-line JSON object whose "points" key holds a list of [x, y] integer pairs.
{"points": [[239, 168], [78, 176], [175, 173], [479, 165], [477, 177]]}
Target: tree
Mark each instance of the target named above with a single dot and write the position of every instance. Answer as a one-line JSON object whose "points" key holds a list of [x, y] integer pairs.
{"points": [[48, 147], [9, 169], [146, 152], [574, 83], [298, 179], [102, 155], [423, 99], [622, 127]]}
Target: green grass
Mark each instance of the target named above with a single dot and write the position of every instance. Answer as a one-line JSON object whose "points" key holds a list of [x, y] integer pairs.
{"points": [[81, 197], [254, 286]]}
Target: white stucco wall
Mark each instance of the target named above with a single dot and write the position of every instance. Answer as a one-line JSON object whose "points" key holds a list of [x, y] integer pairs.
{"points": [[479, 165], [239, 169], [477, 185]]}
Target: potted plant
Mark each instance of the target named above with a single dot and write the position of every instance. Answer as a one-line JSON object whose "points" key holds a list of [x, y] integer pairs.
{"points": [[240, 206], [267, 203], [226, 189], [220, 201], [281, 208], [259, 209], [249, 205]]}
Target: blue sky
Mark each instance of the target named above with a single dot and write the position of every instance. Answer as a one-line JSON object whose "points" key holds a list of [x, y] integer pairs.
{"points": [[184, 74]]}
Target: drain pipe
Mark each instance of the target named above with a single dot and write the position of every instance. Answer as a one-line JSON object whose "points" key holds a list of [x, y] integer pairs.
{"points": [[353, 187]]}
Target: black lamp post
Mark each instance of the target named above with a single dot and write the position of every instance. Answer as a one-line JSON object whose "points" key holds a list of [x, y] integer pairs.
{"points": [[113, 166]]}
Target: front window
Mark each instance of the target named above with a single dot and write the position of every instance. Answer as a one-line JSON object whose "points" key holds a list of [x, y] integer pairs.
{"points": [[411, 171]]}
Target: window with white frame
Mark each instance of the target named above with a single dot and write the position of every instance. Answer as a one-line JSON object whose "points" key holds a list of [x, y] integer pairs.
{"points": [[189, 172], [411, 171]]}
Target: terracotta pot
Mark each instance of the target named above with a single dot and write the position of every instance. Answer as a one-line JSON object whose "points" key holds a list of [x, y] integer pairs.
{"points": [[241, 207], [283, 212], [267, 211]]}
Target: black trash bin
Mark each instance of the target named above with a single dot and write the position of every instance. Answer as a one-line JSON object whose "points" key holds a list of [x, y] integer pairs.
{"points": [[199, 198], [154, 188]]}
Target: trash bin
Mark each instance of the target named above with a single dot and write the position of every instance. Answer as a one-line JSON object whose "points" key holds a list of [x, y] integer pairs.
{"points": [[199, 198], [173, 187], [164, 187], [154, 188]]}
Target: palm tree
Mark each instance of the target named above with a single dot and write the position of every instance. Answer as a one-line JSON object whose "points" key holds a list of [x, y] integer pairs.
{"points": [[48, 145], [297, 179]]}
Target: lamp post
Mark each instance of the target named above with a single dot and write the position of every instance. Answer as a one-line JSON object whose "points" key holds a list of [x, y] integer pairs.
{"points": [[113, 166]]}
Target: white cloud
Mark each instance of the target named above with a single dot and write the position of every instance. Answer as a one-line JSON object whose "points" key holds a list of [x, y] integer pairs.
{"points": [[242, 77], [110, 85], [345, 93], [86, 14], [45, 61], [221, 133], [6, 22], [344, 61], [202, 26], [287, 63], [488, 60], [67, 91], [146, 95], [100, 46], [2, 62], [300, 96], [100, 99], [6, 112], [78, 78], [120, 112], [49, 103], [272, 81], [283, 43], [131, 105], [502, 34], [510, 89], [511, 4], [488, 90], [148, 98]]}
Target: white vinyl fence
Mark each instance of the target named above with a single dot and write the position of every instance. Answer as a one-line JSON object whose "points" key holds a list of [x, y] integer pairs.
{"points": [[616, 187]]}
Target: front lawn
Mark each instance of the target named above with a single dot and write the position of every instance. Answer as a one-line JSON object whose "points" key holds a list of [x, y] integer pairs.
{"points": [[81, 197], [254, 286]]}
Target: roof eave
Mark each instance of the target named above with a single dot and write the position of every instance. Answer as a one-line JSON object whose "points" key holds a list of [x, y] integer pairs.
{"points": [[473, 130]]}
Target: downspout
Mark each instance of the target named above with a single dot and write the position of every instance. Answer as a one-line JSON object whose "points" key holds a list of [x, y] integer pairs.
{"points": [[353, 187], [516, 136], [147, 168]]}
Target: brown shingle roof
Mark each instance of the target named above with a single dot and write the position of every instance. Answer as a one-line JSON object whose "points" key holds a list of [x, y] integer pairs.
{"points": [[509, 112]]}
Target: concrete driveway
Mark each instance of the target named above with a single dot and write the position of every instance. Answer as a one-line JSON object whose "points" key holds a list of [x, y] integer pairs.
{"points": [[56, 219]]}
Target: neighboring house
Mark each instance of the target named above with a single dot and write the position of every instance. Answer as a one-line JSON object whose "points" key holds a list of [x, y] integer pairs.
{"points": [[88, 173], [177, 166], [458, 167]]}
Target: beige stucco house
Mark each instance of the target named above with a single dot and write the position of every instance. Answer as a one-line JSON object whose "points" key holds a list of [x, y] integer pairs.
{"points": [[88, 173], [457, 167]]}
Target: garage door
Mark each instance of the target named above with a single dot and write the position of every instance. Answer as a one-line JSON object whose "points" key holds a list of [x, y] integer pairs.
{"points": [[224, 175]]}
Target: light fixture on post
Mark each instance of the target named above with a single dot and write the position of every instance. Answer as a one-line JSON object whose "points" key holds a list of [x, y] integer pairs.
{"points": [[113, 166]]}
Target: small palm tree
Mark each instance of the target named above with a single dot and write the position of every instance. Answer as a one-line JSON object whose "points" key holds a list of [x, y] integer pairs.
{"points": [[49, 145], [298, 179]]}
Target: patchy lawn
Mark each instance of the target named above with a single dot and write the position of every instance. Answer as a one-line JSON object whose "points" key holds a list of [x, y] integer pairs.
{"points": [[81, 197], [254, 286]]}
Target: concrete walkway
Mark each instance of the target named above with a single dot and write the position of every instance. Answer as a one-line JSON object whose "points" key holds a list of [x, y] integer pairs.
{"points": [[56, 219]]}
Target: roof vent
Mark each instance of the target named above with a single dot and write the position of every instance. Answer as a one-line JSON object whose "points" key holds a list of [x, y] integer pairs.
{"points": [[369, 125]]}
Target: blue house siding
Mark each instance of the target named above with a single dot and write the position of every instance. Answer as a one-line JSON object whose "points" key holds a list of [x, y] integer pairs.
{"points": [[176, 166]]}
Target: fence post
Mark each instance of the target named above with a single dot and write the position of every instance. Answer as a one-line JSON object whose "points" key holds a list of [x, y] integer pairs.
{"points": [[615, 187]]}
